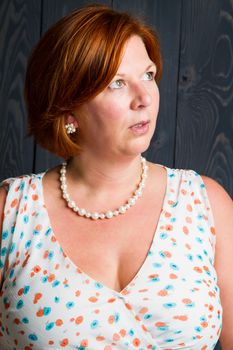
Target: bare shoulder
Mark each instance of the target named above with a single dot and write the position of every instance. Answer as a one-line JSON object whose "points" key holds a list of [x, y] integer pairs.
{"points": [[157, 172], [215, 189], [222, 208], [51, 175], [3, 194], [157, 180], [220, 201], [50, 185]]}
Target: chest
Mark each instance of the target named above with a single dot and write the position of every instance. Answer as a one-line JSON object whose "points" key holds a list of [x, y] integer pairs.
{"points": [[109, 251], [170, 298], [173, 298]]}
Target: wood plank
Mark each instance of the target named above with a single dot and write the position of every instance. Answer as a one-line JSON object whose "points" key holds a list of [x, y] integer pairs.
{"points": [[53, 10], [205, 120], [164, 16], [20, 28]]}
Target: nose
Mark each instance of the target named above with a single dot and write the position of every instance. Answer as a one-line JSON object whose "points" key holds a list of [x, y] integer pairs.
{"points": [[141, 97]]}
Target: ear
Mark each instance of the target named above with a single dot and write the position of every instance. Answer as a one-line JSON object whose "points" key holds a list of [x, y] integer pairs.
{"points": [[70, 118]]}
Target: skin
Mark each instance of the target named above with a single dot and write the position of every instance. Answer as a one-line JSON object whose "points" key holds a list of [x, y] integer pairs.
{"points": [[222, 208], [111, 160], [131, 97]]}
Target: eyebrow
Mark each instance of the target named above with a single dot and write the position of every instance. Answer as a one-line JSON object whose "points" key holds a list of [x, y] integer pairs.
{"points": [[152, 65]]}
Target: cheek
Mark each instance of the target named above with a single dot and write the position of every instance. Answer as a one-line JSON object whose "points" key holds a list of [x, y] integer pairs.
{"points": [[108, 108], [106, 120], [115, 106], [115, 113], [112, 115], [156, 99]]}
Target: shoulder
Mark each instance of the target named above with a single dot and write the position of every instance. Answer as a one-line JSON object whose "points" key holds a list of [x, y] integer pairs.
{"points": [[3, 194], [5, 189], [215, 190], [157, 179], [12, 190], [15, 188], [220, 201], [222, 208]]}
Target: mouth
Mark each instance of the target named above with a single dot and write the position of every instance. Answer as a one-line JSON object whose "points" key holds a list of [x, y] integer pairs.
{"points": [[140, 128], [140, 124]]}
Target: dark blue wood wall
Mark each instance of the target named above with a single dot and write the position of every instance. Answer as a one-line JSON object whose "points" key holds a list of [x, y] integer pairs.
{"points": [[195, 124]]}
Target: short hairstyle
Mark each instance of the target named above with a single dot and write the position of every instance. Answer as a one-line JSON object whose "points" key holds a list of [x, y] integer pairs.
{"points": [[72, 63]]}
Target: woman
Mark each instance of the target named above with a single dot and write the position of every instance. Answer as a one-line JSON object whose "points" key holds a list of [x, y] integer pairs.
{"points": [[109, 251]]}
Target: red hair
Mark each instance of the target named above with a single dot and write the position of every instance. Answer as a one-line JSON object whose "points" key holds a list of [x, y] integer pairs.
{"points": [[72, 63]]}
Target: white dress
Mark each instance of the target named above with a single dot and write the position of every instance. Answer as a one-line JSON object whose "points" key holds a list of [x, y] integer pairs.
{"points": [[47, 302]]}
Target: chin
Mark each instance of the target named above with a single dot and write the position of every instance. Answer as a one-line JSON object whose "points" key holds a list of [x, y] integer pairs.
{"points": [[138, 147]]}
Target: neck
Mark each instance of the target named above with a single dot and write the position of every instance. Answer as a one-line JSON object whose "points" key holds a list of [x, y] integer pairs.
{"points": [[105, 174], [100, 198]]}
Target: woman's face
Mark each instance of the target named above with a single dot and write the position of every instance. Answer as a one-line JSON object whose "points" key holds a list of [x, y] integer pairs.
{"points": [[121, 119]]}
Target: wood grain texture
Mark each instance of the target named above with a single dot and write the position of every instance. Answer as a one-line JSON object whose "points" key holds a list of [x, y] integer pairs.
{"points": [[200, 138], [53, 10], [20, 27], [165, 17], [205, 104]]}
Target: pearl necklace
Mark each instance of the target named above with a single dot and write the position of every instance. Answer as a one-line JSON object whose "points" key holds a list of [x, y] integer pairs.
{"points": [[110, 213]]}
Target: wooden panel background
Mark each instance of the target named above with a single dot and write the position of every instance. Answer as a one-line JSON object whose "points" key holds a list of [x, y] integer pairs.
{"points": [[165, 18], [52, 11], [195, 123], [20, 30], [205, 90]]}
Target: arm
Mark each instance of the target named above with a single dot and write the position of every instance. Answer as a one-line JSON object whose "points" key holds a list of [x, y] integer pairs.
{"points": [[2, 204], [222, 207]]}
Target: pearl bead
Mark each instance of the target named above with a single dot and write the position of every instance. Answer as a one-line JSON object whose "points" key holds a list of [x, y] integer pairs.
{"points": [[138, 193], [94, 216], [71, 204], [109, 214], [122, 209], [82, 212], [64, 187], [131, 201]]}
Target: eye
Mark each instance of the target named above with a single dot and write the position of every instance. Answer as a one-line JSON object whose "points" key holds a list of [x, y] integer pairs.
{"points": [[149, 76], [117, 84]]}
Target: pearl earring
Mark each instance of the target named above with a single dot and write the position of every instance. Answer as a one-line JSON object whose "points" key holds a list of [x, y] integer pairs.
{"points": [[70, 128]]}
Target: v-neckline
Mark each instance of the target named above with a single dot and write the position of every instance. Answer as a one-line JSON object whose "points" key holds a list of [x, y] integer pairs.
{"points": [[126, 289]]}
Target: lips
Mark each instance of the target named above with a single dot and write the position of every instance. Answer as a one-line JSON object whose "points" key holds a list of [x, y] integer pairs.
{"points": [[140, 128], [140, 124]]}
